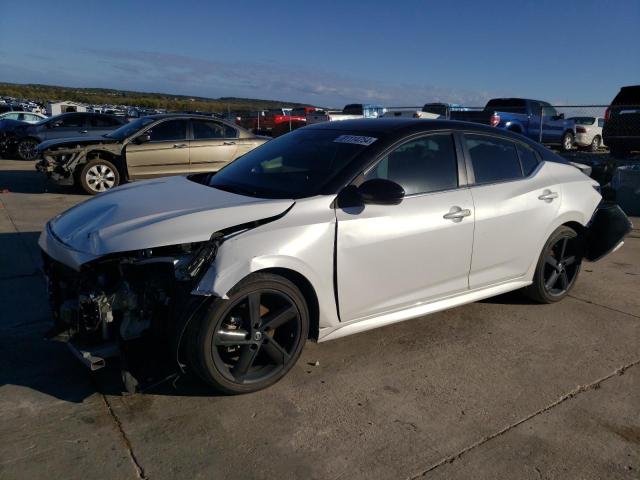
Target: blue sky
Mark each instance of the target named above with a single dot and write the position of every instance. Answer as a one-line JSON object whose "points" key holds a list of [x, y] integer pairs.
{"points": [[329, 52]]}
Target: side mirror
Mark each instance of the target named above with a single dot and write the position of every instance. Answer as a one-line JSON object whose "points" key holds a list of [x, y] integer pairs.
{"points": [[378, 191], [144, 138]]}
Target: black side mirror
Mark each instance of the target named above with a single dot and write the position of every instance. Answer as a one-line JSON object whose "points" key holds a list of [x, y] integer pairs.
{"points": [[378, 191], [144, 138]]}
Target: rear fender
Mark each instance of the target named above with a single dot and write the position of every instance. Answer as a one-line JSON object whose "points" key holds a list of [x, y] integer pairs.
{"points": [[606, 231]]}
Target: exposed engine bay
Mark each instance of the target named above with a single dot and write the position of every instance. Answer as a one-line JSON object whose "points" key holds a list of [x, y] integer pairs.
{"points": [[118, 302]]}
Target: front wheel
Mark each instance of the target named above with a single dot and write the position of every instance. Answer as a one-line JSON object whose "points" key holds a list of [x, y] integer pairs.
{"points": [[567, 141], [99, 175], [557, 268], [251, 340], [27, 149]]}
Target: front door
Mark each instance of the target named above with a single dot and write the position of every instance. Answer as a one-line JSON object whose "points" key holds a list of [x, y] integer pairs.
{"points": [[67, 126], [392, 257], [214, 145], [167, 152]]}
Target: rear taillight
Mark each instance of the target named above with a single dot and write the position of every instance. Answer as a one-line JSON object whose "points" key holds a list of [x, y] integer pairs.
{"points": [[581, 129], [607, 114], [494, 120]]}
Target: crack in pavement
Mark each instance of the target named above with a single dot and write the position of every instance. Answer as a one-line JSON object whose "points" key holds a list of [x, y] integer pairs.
{"points": [[132, 456], [567, 396], [603, 306]]}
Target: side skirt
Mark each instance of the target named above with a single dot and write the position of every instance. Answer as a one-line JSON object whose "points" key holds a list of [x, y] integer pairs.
{"points": [[361, 325]]}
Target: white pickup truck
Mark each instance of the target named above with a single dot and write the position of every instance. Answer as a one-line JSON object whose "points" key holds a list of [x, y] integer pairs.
{"points": [[349, 112]]}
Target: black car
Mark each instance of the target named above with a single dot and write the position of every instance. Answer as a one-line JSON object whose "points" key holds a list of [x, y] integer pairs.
{"points": [[621, 131], [9, 107], [23, 139]]}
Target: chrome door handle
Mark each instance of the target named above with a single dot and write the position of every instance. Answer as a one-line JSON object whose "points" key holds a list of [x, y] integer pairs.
{"points": [[180, 145], [548, 196], [456, 214], [229, 143]]}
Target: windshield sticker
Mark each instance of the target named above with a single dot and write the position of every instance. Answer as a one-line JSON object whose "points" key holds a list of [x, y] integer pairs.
{"points": [[355, 139]]}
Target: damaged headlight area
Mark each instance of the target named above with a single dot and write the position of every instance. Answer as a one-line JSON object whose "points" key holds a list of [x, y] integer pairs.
{"points": [[127, 306], [60, 163]]}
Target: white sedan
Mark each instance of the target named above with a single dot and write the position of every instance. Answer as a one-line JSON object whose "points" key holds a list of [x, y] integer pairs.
{"points": [[328, 231], [28, 117], [588, 132]]}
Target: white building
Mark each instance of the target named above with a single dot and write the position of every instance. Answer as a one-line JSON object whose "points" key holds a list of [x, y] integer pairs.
{"points": [[56, 108]]}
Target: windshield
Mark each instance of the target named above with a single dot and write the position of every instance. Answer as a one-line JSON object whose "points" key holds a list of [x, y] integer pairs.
{"points": [[296, 165], [583, 120], [130, 128]]}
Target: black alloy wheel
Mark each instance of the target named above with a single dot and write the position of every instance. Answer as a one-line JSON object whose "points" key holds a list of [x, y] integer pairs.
{"points": [[253, 339], [558, 267], [27, 149]]}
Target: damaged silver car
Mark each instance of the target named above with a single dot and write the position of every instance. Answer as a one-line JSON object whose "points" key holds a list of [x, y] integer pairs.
{"points": [[330, 230]]}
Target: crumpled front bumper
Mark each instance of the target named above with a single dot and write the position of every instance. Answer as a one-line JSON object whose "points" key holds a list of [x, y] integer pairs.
{"points": [[55, 171]]}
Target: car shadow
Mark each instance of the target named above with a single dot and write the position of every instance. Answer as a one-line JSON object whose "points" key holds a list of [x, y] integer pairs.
{"points": [[28, 180]]}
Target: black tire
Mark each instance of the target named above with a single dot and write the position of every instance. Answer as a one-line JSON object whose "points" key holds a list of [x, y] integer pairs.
{"points": [[98, 175], [27, 149], [557, 268], [566, 143], [595, 143], [236, 351]]}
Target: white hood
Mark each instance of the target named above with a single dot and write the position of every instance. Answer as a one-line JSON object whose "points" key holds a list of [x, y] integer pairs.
{"points": [[155, 213]]}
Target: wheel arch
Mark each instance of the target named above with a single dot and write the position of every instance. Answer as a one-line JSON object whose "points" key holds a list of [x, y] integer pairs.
{"points": [[308, 292], [114, 158]]}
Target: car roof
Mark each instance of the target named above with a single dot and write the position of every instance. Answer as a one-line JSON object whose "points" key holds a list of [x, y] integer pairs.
{"points": [[401, 126]]}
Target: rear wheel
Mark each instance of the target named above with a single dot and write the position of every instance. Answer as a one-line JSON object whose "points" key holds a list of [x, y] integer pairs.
{"points": [[99, 175], [557, 268], [251, 340], [595, 144], [27, 149], [567, 141]]}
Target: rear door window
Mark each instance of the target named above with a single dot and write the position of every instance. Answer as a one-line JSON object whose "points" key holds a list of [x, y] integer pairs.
{"points": [[425, 165], [208, 130], [170, 130], [494, 159], [528, 158]]}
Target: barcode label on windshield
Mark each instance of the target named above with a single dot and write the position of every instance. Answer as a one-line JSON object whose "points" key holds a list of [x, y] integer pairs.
{"points": [[355, 139]]}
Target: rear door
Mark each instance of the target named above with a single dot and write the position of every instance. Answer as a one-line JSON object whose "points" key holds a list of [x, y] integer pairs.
{"points": [[515, 203], [214, 144], [392, 257], [167, 153]]}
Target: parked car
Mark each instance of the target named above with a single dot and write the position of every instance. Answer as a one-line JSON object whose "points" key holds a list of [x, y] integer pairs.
{"points": [[278, 120], [349, 112], [327, 231], [27, 117], [22, 139], [152, 146], [588, 132], [10, 107], [621, 130], [521, 115]]}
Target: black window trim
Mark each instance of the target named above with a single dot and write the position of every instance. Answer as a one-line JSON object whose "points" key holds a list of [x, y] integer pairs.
{"points": [[460, 162], [469, 164]]}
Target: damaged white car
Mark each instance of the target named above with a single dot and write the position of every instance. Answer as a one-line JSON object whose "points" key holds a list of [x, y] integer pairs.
{"points": [[331, 230]]}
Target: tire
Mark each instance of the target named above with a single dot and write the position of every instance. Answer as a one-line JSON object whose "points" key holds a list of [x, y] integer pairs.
{"points": [[566, 143], [98, 175], [557, 268], [27, 149], [236, 351], [595, 143]]}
